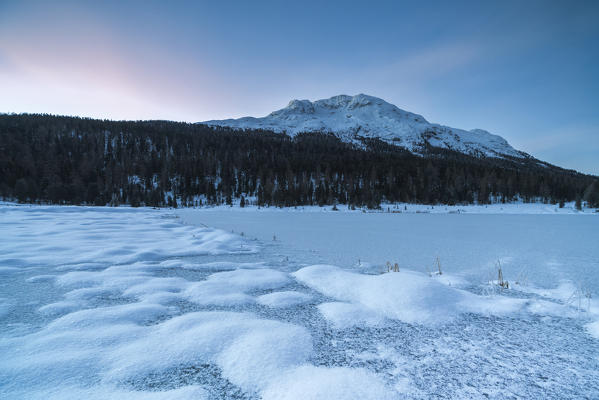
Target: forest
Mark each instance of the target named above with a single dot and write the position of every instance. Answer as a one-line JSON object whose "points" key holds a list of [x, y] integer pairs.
{"points": [[70, 160]]}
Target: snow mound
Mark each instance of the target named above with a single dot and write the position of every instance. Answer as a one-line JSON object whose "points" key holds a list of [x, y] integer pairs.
{"points": [[248, 350], [362, 116], [230, 287], [119, 345], [406, 296], [259, 356], [593, 329], [136, 281], [318, 383]]}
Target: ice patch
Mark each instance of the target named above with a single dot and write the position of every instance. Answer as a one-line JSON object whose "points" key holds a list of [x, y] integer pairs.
{"points": [[5, 307], [283, 299], [223, 265], [194, 392], [153, 286], [60, 307], [491, 305], [345, 315], [41, 278]]}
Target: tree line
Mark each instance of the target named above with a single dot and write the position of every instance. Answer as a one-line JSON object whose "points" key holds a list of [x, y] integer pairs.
{"points": [[69, 160]]}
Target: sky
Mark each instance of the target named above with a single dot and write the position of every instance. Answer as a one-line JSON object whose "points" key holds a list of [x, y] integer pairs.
{"points": [[525, 70]]}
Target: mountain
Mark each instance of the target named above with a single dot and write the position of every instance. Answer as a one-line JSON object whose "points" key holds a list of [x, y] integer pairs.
{"points": [[67, 160], [353, 119]]}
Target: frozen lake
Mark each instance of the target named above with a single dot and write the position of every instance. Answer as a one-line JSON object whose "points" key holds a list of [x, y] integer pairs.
{"points": [[123, 303], [543, 249]]}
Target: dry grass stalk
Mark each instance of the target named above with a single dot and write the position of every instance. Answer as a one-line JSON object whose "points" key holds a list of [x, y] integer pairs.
{"points": [[394, 268], [500, 281]]}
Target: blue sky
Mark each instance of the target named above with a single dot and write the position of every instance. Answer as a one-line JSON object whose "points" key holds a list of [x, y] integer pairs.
{"points": [[525, 70]]}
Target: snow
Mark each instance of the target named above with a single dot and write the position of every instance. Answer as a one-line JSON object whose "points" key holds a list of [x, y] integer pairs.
{"points": [[593, 329], [248, 350], [230, 287], [259, 357], [365, 116], [314, 383], [551, 309], [91, 306], [545, 250], [410, 297], [126, 236]]}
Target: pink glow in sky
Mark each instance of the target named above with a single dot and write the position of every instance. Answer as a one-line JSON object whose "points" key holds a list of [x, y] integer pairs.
{"points": [[526, 71]]}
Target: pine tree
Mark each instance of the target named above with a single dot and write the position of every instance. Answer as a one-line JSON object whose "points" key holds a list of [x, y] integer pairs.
{"points": [[591, 194], [137, 162]]}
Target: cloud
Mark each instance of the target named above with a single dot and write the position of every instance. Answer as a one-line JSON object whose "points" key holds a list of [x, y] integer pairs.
{"points": [[570, 146], [564, 135], [435, 61], [90, 72]]}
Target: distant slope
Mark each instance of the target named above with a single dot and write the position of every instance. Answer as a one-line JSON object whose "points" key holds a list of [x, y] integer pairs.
{"points": [[354, 118]]}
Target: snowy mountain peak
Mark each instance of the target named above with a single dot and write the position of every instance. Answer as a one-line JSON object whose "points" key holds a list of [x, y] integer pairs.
{"points": [[352, 118], [304, 106]]}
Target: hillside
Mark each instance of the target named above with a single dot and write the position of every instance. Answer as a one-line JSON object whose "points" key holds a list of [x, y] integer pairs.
{"points": [[65, 160]]}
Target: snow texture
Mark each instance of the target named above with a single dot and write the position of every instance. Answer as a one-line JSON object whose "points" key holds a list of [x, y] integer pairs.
{"points": [[352, 117], [283, 299], [314, 383], [92, 306], [410, 297]]}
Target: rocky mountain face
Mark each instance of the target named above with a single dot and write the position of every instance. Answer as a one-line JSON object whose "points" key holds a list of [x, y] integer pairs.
{"points": [[354, 118]]}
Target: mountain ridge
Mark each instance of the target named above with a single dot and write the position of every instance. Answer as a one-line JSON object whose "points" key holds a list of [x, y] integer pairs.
{"points": [[354, 118]]}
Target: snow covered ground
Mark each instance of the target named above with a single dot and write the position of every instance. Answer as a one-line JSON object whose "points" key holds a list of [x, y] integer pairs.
{"points": [[537, 245], [156, 304]]}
